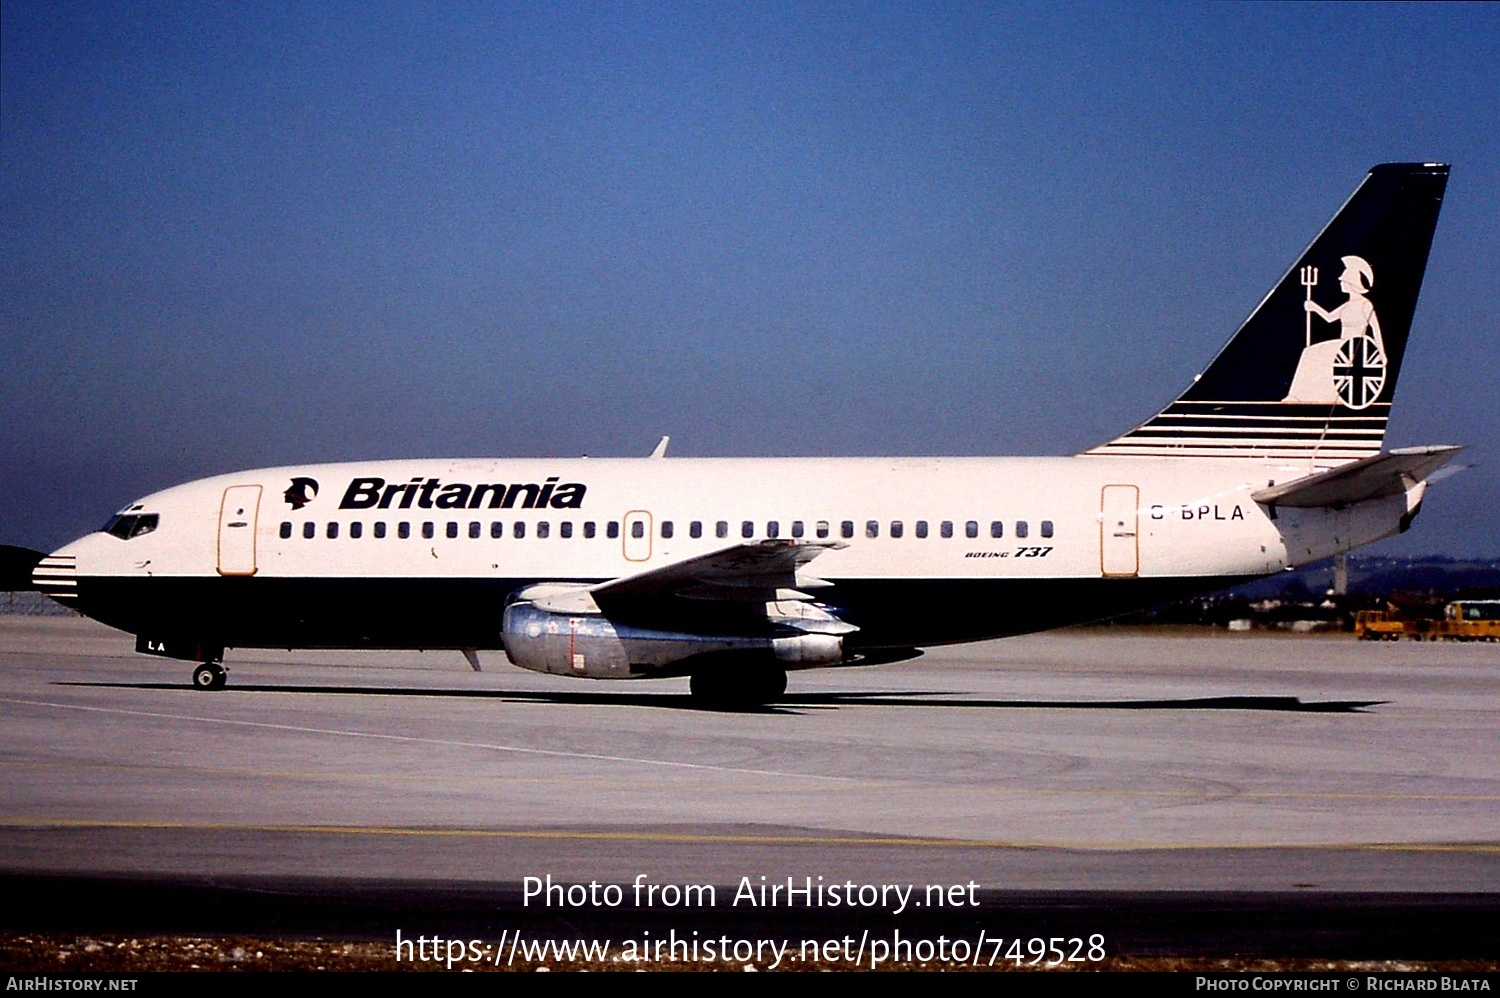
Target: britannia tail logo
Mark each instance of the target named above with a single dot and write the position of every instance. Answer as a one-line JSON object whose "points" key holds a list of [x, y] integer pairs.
{"points": [[1350, 369]]}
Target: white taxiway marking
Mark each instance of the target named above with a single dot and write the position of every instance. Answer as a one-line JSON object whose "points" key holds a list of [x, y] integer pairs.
{"points": [[410, 739]]}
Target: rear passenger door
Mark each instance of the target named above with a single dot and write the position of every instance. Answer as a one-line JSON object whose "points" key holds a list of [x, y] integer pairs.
{"points": [[1119, 548]]}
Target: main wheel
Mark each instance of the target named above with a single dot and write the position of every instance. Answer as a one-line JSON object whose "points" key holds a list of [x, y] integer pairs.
{"points": [[210, 676], [732, 687]]}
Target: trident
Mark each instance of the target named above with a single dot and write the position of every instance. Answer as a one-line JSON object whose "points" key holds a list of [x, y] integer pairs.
{"points": [[1309, 279]]}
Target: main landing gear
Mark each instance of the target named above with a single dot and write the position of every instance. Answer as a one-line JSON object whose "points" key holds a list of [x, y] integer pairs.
{"points": [[738, 688], [210, 676]]}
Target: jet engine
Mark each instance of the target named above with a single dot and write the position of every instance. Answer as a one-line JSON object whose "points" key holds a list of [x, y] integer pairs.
{"points": [[588, 643]]}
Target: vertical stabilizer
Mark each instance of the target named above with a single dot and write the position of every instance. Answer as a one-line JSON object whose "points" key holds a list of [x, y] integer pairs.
{"points": [[1312, 372]]}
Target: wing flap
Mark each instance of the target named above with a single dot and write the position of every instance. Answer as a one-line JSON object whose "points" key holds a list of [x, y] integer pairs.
{"points": [[767, 570]]}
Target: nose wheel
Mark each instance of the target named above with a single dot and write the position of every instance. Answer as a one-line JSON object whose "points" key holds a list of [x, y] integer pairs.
{"points": [[210, 676]]}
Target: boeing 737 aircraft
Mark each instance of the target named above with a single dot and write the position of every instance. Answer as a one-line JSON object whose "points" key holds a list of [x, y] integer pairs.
{"points": [[734, 571]]}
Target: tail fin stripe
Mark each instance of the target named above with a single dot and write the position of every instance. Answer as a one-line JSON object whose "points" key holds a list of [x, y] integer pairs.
{"points": [[1291, 434], [1318, 455]]}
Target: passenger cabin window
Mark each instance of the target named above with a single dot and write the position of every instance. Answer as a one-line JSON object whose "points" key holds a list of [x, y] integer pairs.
{"points": [[379, 528], [519, 531], [309, 530], [403, 530], [565, 529], [427, 530], [286, 530], [971, 528], [747, 529], [946, 528], [452, 528], [1046, 528], [872, 528], [544, 529], [796, 528], [588, 529], [773, 529], [846, 529], [897, 529], [612, 529], [497, 529], [822, 528], [721, 529], [997, 529], [666, 529], [356, 530], [638, 529], [921, 528], [695, 529], [333, 530], [1021, 529], [474, 529]]}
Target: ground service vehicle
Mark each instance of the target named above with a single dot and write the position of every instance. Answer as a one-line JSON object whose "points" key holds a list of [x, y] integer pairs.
{"points": [[1464, 620]]}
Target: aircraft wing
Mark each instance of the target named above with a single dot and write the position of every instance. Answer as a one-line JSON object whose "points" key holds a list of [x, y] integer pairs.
{"points": [[734, 582], [1391, 473], [766, 570]]}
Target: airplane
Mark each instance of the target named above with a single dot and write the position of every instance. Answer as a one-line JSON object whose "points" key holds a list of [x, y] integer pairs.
{"points": [[734, 571]]}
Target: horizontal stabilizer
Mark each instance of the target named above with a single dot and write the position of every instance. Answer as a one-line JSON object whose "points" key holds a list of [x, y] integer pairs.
{"points": [[16, 566], [1387, 474]]}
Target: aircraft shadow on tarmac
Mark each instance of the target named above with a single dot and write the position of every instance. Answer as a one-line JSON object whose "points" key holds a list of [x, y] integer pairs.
{"points": [[789, 704]]}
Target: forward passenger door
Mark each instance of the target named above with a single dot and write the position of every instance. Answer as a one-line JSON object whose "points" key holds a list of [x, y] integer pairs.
{"points": [[237, 515]]}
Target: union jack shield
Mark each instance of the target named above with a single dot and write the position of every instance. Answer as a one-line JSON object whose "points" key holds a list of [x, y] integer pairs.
{"points": [[1359, 372]]}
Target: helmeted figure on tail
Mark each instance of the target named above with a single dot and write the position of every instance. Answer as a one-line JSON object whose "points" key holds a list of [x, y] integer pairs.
{"points": [[1350, 369]]}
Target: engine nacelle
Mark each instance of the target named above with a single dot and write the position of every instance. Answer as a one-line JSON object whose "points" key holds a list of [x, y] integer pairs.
{"points": [[596, 647]]}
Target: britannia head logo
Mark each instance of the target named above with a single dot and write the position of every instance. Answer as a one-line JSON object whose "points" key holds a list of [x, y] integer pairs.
{"points": [[302, 491]]}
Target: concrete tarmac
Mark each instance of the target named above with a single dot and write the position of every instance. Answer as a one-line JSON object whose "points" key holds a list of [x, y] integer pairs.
{"points": [[1090, 760]]}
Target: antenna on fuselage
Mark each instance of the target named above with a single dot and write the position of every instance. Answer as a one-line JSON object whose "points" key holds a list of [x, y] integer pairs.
{"points": [[661, 447]]}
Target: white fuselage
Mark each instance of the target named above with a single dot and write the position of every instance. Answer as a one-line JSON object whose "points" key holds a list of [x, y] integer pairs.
{"points": [[905, 525]]}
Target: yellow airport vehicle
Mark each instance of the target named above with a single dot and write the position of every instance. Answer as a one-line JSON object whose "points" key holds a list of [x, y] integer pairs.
{"points": [[1463, 620], [1380, 625], [1471, 620]]}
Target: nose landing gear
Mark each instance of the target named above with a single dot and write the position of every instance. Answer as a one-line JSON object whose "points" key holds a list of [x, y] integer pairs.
{"points": [[210, 676]]}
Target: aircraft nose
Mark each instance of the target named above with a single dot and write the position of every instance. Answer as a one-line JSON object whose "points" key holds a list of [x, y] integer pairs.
{"points": [[56, 575]]}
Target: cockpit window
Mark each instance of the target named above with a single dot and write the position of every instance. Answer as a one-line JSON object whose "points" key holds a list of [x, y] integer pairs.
{"points": [[131, 525]]}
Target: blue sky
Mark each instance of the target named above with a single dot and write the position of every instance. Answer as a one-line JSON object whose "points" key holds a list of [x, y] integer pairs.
{"points": [[235, 235]]}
